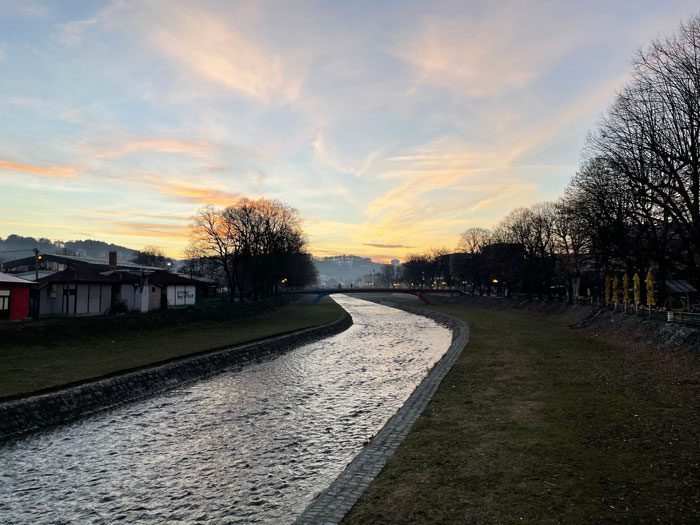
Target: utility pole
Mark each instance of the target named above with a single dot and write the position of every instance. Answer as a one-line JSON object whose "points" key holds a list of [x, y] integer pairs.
{"points": [[36, 264]]}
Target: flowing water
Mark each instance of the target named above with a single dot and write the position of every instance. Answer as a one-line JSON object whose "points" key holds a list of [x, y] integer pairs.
{"points": [[246, 446]]}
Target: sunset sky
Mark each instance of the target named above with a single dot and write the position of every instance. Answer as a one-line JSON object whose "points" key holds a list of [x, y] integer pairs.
{"points": [[391, 126]]}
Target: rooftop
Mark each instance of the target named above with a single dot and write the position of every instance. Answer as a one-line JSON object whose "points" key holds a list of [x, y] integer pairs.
{"points": [[5, 278], [87, 261]]}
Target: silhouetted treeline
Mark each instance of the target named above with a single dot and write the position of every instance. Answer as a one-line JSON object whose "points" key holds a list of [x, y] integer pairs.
{"points": [[152, 256], [427, 269], [16, 246], [633, 206], [256, 246]]}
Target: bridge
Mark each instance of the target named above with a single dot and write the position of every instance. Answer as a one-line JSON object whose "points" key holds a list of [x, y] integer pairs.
{"points": [[418, 292]]}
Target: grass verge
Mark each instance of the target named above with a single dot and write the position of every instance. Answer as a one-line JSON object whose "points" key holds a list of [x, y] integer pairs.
{"points": [[540, 423], [29, 368]]}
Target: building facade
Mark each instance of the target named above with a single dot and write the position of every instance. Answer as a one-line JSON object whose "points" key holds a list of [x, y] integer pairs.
{"points": [[75, 286], [14, 298]]}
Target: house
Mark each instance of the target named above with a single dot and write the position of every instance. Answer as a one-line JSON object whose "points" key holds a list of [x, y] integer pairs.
{"points": [[77, 286], [84, 291], [14, 297], [176, 289], [45, 264]]}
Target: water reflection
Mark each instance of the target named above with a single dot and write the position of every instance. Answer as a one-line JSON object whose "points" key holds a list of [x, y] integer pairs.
{"points": [[248, 446]]}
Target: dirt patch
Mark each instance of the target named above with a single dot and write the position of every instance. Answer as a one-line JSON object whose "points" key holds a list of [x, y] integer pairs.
{"points": [[526, 412]]}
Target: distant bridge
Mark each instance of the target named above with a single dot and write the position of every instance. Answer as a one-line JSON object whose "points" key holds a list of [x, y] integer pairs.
{"points": [[418, 292]]}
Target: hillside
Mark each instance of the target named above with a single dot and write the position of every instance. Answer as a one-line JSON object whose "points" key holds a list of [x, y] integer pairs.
{"points": [[344, 268], [16, 246]]}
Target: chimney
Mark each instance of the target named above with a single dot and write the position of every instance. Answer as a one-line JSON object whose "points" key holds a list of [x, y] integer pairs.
{"points": [[112, 259]]}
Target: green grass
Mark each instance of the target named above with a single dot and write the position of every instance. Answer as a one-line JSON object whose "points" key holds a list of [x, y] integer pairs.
{"points": [[27, 369], [539, 423]]}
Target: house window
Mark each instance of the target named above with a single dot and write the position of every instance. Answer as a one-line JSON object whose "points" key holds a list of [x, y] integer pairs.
{"points": [[4, 304]]}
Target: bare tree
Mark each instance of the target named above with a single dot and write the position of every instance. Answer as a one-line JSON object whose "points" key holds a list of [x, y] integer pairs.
{"points": [[533, 229], [569, 243], [651, 138], [472, 240], [259, 243], [212, 235], [388, 275], [417, 270]]}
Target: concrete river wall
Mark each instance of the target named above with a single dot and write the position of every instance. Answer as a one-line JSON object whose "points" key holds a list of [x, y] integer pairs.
{"points": [[44, 411]]}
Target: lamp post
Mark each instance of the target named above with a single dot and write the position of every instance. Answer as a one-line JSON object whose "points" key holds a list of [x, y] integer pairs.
{"points": [[37, 258]]}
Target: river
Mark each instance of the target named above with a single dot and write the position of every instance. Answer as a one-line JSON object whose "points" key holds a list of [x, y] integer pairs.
{"points": [[246, 446]]}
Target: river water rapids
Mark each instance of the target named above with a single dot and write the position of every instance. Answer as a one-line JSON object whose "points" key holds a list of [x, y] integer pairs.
{"points": [[246, 446]]}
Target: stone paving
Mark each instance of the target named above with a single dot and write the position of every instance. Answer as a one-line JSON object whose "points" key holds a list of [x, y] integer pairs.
{"points": [[335, 502]]}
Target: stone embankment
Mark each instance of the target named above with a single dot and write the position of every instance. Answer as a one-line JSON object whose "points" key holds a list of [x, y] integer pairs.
{"points": [[39, 412], [331, 505], [619, 327]]}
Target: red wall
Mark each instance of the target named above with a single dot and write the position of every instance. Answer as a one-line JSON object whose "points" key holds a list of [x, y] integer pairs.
{"points": [[19, 301]]}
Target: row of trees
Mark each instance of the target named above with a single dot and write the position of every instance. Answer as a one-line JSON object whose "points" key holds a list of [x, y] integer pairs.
{"points": [[530, 250], [254, 246], [638, 191], [152, 256], [428, 269], [633, 206]]}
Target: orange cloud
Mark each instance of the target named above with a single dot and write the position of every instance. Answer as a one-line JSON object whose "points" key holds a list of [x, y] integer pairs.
{"points": [[188, 192], [437, 190], [185, 191], [57, 172], [115, 213], [387, 246], [159, 146], [214, 50], [152, 229]]}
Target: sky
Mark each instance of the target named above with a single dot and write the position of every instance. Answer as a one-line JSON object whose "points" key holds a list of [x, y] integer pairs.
{"points": [[390, 126]]}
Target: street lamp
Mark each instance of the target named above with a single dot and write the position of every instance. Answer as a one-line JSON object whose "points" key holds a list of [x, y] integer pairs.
{"points": [[37, 258]]}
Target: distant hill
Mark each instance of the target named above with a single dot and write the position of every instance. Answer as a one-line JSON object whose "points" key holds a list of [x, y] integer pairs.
{"points": [[344, 268], [16, 246]]}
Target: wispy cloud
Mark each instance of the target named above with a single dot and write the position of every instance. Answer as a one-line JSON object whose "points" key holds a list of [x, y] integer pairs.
{"points": [[115, 213], [72, 32], [325, 155], [56, 172], [201, 193], [392, 246], [149, 229], [206, 46], [483, 55], [198, 147]]}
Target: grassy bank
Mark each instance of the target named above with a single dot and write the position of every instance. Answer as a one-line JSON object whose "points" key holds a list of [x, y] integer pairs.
{"points": [[28, 368], [540, 423]]}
